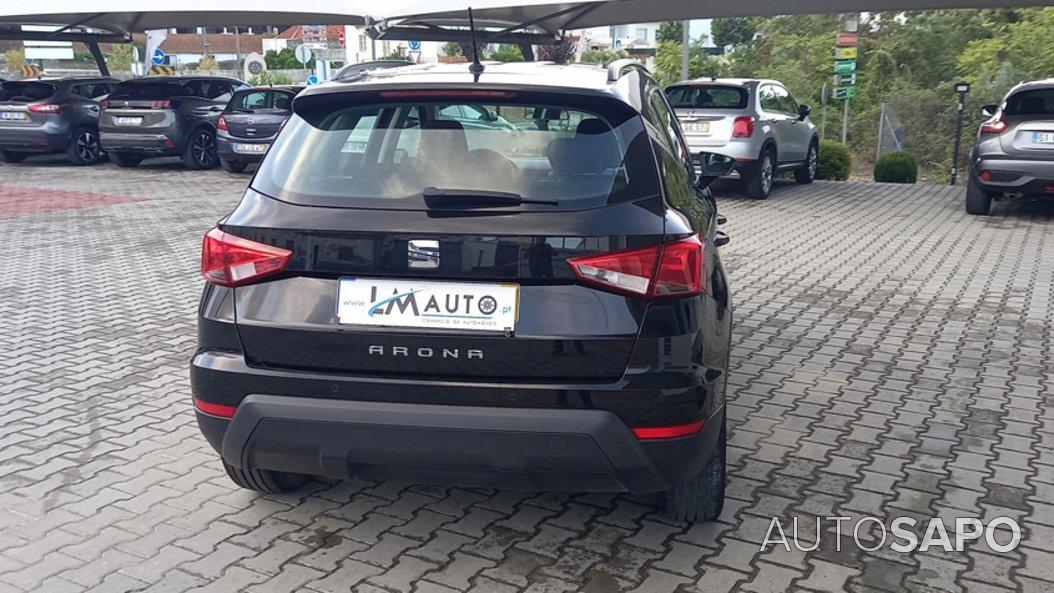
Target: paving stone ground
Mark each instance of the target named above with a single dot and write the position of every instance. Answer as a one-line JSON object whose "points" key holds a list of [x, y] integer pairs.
{"points": [[892, 357]]}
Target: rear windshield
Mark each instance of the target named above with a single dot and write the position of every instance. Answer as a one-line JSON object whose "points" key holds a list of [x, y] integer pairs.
{"points": [[707, 97], [26, 91], [148, 91], [1034, 102], [385, 155], [261, 99]]}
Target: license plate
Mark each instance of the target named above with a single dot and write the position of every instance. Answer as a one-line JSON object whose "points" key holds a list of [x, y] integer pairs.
{"points": [[127, 121], [1043, 137], [466, 306], [12, 115], [252, 148], [698, 127]]}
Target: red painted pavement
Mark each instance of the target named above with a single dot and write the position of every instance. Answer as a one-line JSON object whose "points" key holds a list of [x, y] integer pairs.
{"points": [[17, 201]]}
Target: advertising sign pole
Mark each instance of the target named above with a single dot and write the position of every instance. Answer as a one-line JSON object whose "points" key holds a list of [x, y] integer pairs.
{"points": [[962, 88]]}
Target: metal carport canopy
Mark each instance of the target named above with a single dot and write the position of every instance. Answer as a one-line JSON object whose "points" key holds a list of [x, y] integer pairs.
{"points": [[547, 17]]}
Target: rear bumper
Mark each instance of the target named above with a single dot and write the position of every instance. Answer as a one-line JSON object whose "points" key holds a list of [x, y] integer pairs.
{"points": [[33, 140], [1014, 175], [150, 144], [528, 449], [225, 149]]}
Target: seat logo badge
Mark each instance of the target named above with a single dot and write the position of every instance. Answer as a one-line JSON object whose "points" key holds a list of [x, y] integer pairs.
{"points": [[423, 254]]}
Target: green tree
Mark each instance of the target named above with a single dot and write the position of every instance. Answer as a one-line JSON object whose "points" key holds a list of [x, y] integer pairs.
{"points": [[120, 58], [207, 63], [285, 60], [668, 59], [733, 31], [603, 56], [14, 59], [506, 52], [672, 31], [451, 49]]}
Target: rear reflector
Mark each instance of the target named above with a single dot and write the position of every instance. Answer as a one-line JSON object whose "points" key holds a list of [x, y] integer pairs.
{"points": [[215, 409], [228, 260], [668, 270], [986, 176], [668, 432]]}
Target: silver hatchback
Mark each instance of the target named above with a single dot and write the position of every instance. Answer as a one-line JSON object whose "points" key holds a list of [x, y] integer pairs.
{"points": [[756, 122]]}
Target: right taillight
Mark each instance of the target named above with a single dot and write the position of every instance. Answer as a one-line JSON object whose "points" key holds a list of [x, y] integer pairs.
{"points": [[743, 127], [229, 260], [221, 125], [996, 125], [161, 104], [668, 270]]}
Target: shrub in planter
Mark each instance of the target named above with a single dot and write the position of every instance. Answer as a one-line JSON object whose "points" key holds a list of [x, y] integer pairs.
{"points": [[835, 161], [897, 167]]}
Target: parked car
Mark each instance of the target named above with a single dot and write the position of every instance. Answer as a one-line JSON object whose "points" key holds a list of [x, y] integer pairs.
{"points": [[250, 123], [548, 314], [52, 115], [1014, 153], [165, 116], [756, 122]]}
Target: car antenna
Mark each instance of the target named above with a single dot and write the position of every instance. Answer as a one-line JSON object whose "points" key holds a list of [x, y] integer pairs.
{"points": [[476, 68]]}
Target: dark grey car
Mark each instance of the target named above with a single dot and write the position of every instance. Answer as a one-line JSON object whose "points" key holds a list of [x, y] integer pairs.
{"points": [[165, 116], [1014, 154], [251, 122], [57, 115]]}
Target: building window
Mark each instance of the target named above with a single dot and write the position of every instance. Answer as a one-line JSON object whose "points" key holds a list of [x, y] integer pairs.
{"points": [[642, 35]]}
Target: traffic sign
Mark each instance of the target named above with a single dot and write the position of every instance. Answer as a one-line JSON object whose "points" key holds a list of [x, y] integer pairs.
{"points": [[845, 66], [844, 79], [415, 56], [304, 54], [846, 92], [159, 57], [311, 79], [845, 53], [848, 40], [414, 44], [254, 65]]}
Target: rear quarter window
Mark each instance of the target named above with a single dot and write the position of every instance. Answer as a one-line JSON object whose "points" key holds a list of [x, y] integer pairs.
{"points": [[707, 97], [26, 91]]}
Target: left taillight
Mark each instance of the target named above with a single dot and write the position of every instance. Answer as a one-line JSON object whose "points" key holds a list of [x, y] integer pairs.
{"points": [[229, 260], [667, 270], [47, 107], [221, 125]]}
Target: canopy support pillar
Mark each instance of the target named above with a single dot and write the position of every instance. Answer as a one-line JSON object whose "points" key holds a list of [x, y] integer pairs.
{"points": [[100, 59]]}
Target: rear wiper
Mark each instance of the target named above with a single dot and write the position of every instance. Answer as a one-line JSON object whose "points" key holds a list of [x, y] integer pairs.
{"points": [[241, 110], [436, 197]]}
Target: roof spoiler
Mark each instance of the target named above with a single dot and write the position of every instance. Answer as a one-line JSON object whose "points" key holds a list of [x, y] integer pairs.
{"points": [[619, 67]]}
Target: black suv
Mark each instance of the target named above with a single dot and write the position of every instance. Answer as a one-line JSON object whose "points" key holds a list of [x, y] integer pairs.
{"points": [[165, 116], [250, 123], [56, 115], [536, 306]]}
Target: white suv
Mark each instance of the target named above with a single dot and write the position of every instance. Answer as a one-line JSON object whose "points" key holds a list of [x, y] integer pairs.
{"points": [[756, 122]]}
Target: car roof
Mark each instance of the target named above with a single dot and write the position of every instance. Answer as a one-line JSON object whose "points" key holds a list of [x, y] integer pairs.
{"points": [[66, 79], [1032, 84], [590, 77], [183, 78], [274, 87], [725, 81]]}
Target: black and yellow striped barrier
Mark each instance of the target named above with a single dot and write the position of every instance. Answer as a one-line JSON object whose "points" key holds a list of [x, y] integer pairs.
{"points": [[162, 70], [31, 71]]}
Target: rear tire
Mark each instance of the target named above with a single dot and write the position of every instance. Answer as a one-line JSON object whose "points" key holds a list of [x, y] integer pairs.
{"points": [[702, 498], [12, 157], [233, 166], [759, 184], [201, 150], [978, 201], [263, 480], [125, 159], [807, 174], [84, 147]]}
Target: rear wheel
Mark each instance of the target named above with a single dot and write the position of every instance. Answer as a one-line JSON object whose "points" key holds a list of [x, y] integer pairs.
{"points": [[703, 497], [233, 166], [978, 201], [807, 174], [126, 159], [12, 157], [759, 184], [84, 149], [201, 150], [263, 480]]}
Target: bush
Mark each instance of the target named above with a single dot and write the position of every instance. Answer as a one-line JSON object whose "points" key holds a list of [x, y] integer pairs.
{"points": [[835, 161], [897, 167], [270, 78]]}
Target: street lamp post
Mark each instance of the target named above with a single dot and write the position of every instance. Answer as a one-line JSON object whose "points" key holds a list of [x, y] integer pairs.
{"points": [[962, 88]]}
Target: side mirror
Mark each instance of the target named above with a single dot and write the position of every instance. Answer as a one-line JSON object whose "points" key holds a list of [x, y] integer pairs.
{"points": [[989, 110], [712, 166], [804, 111]]}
